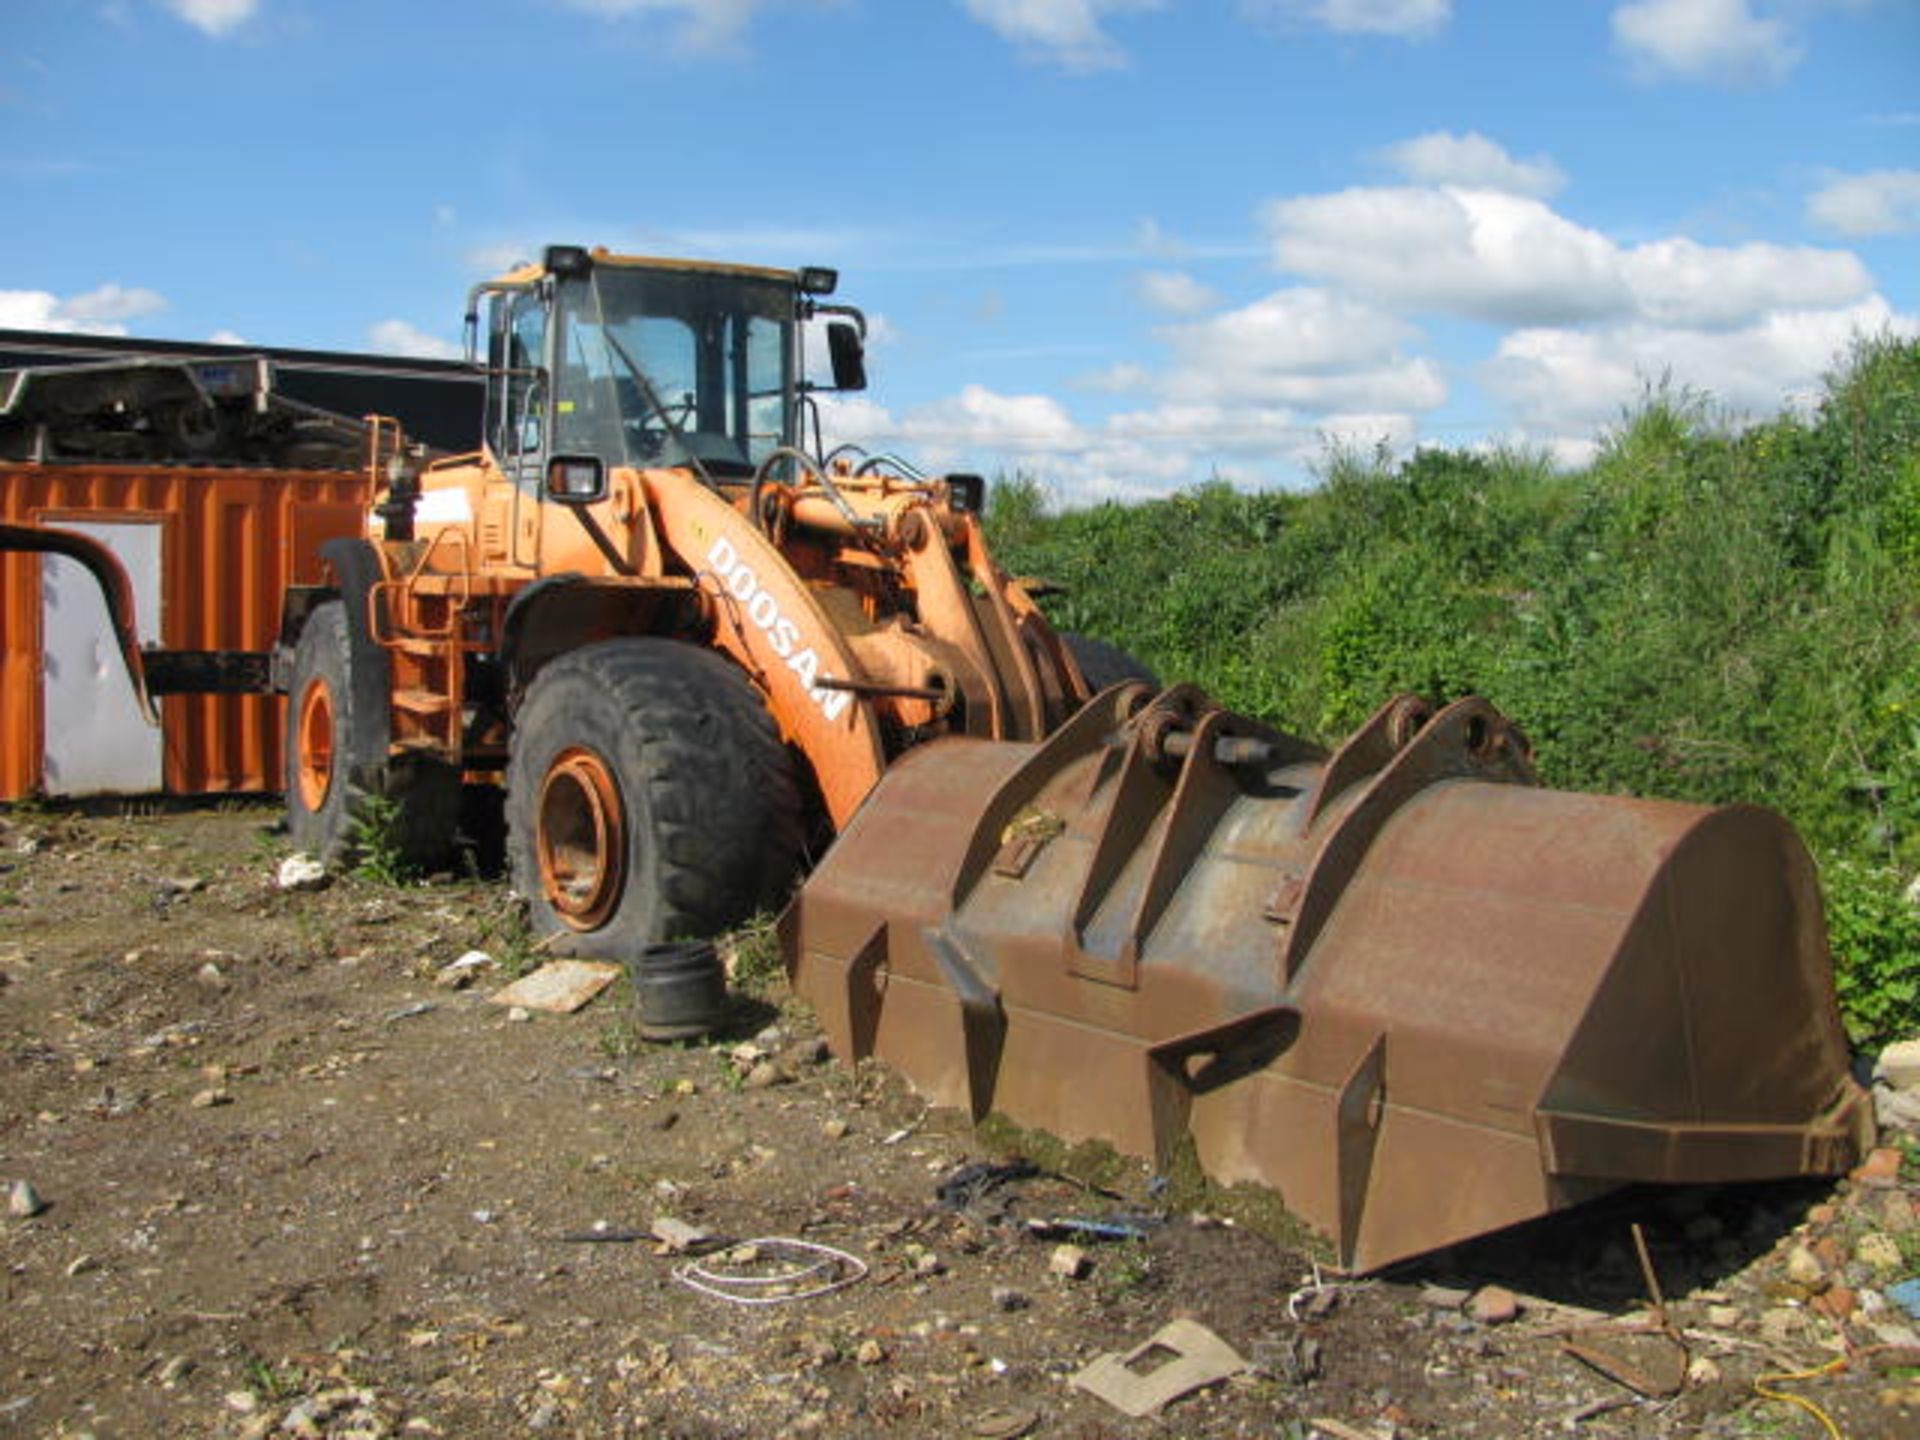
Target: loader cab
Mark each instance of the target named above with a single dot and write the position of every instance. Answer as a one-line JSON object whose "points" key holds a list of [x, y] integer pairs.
{"points": [[650, 363]]}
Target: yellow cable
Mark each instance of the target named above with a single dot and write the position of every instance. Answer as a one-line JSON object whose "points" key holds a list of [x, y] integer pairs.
{"points": [[1832, 1367]]}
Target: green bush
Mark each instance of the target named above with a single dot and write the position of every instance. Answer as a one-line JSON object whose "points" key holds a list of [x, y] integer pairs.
{"points": [[1705, 613], [1875, 934]]}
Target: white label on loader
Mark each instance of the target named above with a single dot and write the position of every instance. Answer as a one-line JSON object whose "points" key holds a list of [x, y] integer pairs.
{"points": [[447, 505], [764, 611]]}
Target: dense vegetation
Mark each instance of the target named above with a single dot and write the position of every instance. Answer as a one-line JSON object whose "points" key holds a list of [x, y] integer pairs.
{"points": [[1705, 613]]}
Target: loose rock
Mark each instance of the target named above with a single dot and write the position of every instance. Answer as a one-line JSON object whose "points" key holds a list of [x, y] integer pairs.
{"points": [[23, 1201], [1069, 1262], [300, 871], [1899, 1065], [1880, 1170], [1836, 1302], [1493, 1305], [1702, 1371], [1879, 1251], [1804, 1267], [765, 1075]]}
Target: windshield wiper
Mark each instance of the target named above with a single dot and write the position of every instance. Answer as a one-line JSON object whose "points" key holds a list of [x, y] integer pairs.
{"points": [[652, 397]]}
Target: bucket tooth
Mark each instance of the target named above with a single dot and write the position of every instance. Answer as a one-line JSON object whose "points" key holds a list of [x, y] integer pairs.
{"points": [[1404, 987]]}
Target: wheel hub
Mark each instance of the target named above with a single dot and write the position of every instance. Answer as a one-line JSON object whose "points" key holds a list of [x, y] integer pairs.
{"points": [[315, 738], [581, 839]]}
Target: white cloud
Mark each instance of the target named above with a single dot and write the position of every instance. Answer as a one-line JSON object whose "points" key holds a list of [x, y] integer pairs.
{"points": [[1263, 372], [1472, 161], [1512, 260], [1298, 331], [1252, 394], [227, 337], [1504, 258], [854, 419], [1716, 40], [1879, 202], [1174, 292], [1119, 378], [397, 337], [1570, 382], [101, 311], [217, 18], [1066, 33], [1135, 456], [978, 429], [978, 417], [1406, 19], [1681, 282], [705, 25]]}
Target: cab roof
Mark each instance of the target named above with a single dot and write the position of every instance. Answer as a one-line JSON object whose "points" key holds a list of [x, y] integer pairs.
{"points": [[526, 274]]}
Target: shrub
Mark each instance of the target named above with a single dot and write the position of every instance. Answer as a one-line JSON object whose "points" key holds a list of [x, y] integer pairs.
{"points": [[1875, 934]]}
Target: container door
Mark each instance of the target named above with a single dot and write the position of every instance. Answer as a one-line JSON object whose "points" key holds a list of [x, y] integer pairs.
{"points": [[96, 740]]}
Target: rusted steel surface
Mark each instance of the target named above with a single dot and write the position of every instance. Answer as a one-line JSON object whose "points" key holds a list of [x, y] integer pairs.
{"points": [[1416, 994]]}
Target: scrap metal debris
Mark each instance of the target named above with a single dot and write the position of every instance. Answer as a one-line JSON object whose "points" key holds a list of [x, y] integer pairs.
{"points": [[969, 1188]]}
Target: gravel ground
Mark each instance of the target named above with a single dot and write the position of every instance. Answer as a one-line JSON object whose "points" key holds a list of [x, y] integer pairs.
{"points": [[271, 1174]]}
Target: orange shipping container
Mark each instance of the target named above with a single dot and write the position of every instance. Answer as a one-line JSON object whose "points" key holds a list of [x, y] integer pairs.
{"points": [[210, 552]]}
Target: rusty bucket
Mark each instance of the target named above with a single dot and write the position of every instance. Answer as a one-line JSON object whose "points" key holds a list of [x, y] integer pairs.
{"points": [[1403, 986]]}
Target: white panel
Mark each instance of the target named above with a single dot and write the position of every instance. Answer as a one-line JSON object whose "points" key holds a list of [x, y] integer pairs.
{"points": [[97, 741]]}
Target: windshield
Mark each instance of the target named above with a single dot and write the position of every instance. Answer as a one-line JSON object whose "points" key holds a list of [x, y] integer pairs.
{"points": [[656, 367]]}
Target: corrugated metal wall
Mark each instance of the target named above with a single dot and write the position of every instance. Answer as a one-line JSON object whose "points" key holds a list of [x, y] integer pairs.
{"points": [[231, 541]]}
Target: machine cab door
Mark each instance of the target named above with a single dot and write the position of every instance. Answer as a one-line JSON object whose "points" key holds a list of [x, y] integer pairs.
{"points": [[519, 423]]}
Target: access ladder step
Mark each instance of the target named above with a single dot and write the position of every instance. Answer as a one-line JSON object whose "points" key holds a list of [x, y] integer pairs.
{"points": [[422, 702], [417, 645]]}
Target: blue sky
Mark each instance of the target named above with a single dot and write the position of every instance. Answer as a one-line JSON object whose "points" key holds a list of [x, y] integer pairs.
{"points": [[1120, 244]]}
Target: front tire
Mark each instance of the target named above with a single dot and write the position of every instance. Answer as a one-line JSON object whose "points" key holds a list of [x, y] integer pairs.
{"points": [[649, 798]]}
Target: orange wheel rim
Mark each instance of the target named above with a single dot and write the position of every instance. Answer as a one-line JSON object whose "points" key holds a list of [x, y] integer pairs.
{"points": [[581, 839], [314, 768]]}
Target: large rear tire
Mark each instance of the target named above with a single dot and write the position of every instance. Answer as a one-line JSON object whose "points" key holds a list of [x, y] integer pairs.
{"points": [[336, 761], [649, 798]]}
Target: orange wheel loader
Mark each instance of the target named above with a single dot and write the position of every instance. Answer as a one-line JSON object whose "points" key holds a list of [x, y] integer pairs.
{"points": [[1402, 984]]}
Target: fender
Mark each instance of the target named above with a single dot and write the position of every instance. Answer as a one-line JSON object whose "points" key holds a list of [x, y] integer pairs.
{"points": [[543, 618]]}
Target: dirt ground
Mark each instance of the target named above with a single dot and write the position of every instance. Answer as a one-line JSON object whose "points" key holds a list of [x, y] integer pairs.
{"points": [[295, 1186]]}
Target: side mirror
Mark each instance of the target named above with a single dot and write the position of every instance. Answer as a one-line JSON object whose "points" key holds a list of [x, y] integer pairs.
{"points": [[849, 356], [576, 480]]}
